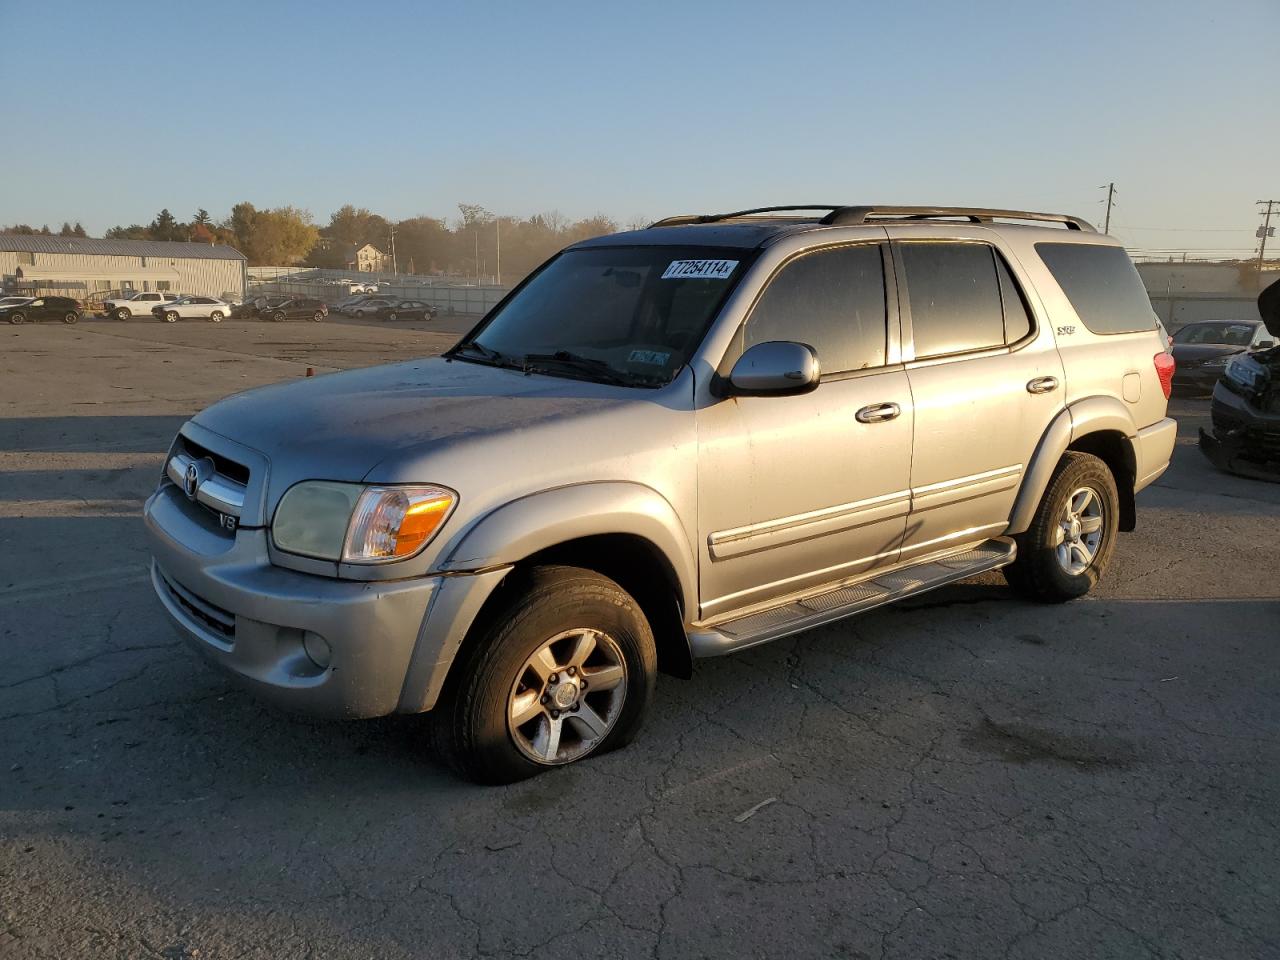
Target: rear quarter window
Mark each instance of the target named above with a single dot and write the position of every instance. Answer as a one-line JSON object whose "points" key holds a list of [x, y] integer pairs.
{"points": [[1102, 285]]}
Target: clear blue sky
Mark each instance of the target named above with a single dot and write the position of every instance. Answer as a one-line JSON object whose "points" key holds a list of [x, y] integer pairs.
{"points": [[114, 110]]}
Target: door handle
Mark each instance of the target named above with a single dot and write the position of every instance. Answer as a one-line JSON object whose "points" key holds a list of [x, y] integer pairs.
{"points": [[1042, 385], [878, 413]]}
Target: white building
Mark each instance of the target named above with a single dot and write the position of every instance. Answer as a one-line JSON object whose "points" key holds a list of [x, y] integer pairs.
{"points": [[92, 269]]}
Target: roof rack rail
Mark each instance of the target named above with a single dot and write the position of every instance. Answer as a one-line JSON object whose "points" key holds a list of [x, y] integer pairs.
{"points": [[714, 217], [852, 216]]}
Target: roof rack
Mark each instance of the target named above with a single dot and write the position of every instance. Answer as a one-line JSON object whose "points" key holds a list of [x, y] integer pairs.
{"points": [[852, 216], [714, 217], [845, 216]]}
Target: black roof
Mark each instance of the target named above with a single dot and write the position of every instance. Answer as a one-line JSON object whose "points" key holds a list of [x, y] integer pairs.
{"points": [[746, 234]]}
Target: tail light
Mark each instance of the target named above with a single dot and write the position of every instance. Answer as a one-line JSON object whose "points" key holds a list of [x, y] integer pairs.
{"points": [[1164, 370]]}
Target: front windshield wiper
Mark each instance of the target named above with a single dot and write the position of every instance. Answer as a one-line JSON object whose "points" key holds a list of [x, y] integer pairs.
{"points": [[597, 369], [481, 354]]}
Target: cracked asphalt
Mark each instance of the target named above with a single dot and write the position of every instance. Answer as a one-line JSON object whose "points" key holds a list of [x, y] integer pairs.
{"points": [[964, 776]]}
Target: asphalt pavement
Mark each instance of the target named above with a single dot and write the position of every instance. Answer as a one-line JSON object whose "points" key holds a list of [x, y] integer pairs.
{"points": [[966, 776]]}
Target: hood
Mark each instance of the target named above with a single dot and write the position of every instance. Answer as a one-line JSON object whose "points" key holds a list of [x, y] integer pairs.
{"points": [[1192, 353], [341, 426], [1269, 308]]}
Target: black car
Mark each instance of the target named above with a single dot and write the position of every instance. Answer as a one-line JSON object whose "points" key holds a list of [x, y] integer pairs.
{"points": [[35, 309], [1202, 350], [406, 310], [1245, 437], [294, 308]]}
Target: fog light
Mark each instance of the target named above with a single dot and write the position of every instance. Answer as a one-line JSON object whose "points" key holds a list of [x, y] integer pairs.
{"points": [[317, 649]]}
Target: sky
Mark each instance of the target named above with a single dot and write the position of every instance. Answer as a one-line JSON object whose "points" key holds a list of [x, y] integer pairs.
{"points": [[642, 110]]}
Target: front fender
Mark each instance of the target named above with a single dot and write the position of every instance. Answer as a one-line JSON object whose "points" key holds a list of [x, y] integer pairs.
{"points": [[536, 522]]}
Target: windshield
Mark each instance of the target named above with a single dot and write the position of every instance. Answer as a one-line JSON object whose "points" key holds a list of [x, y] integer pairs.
{"points": [[10, 301], [632, 315], [1229, 334]]}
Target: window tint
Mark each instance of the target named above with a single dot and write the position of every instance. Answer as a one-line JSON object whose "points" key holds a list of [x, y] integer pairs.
{"points": [[1017, 319], [834, 301], [1102, 284], [954, 297]]}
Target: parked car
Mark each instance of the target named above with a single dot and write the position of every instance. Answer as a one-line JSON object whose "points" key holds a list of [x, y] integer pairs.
{"points": [[296, 308], [1245, 435], [368, 307], [143, 304], [671, 443], [187, 308], [36, 309], [407, 310], [1205, 348], [252, 308]]}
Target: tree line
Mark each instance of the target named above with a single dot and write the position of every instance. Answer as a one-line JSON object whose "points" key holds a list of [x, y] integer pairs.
{"points": [[25, 229], [477, 243]]}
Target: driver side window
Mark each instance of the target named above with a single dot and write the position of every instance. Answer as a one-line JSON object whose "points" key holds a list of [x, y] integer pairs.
{"points": [[833, 300]]}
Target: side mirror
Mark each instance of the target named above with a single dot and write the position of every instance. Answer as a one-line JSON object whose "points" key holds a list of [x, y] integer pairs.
{"points": [[778, 367], [1266, 344]]}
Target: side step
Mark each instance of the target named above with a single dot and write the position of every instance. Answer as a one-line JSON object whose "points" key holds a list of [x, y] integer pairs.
{"points": [[813, 611]]}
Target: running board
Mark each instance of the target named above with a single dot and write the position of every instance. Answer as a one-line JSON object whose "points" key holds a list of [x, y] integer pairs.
{"points": [[814, 611]]}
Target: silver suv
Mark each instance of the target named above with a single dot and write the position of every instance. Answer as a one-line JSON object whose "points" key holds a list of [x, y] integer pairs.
{"points": [[672, 443]]}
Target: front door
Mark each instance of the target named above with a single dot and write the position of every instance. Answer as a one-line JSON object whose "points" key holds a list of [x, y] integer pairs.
{"points": [[799, 491], [986, 380]]}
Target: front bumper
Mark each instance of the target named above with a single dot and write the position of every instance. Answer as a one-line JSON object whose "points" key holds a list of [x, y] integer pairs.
{"points": [[257, 621], [1243, 439]]}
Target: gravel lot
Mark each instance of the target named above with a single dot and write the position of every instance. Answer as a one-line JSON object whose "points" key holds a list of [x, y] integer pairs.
{"points": [[966, 776]]}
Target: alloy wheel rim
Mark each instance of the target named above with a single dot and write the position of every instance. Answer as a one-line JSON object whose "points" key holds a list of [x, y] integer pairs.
{"points": [[567, 696], [1079, 531]]}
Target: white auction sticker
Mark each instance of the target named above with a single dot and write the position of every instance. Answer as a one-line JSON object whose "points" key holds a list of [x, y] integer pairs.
{"points": [[699, 270]]}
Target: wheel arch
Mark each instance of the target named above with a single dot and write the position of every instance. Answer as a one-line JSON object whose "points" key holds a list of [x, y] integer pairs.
{"points": [[1101, 426], [624, 531]]}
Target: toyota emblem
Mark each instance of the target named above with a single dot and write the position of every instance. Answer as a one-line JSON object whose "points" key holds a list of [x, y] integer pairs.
{"points": [[198, 471]]}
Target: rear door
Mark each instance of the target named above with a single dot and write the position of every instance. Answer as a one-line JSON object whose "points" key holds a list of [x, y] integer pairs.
{"points": [[986, 380], [799, 491]]}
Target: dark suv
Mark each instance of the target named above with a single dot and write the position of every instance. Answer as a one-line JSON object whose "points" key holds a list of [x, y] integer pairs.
{"points": [[295, 308], [42, 308]]}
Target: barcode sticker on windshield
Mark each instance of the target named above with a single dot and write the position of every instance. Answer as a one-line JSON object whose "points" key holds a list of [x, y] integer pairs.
{"points": [[699, 270]]}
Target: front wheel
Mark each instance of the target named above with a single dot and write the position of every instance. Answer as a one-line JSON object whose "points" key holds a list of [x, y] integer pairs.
{"points": [[319, 315], [393, 315], [216, 317], [123, 314], [16, 318], [563, 670], [171, 316], [1070, 541], [72, 317], [359, 314]]}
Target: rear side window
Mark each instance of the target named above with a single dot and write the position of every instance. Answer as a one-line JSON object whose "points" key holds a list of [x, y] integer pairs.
{"points": [[1017, 319], [833, 300], [954, 295], [1102, 285]]}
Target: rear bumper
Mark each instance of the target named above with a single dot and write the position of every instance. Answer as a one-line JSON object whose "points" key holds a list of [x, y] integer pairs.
{"points": [[1152, 450]]}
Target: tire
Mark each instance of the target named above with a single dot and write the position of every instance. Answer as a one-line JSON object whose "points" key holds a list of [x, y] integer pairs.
{"points": [[393, 315], [72, 317], [278, 316], [216, 316], [123, 313], [318, 316], [1051, 565], [171, 316], [556, 608], [359, 314], [16, 318]]}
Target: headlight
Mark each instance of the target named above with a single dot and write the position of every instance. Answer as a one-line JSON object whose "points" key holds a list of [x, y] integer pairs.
{"points": [[1242, 371], [354, 523]]}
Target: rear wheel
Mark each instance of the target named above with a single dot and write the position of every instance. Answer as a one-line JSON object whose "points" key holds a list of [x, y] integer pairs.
{"points": [[71, 317], [359, 314], [1069, 544], [17, 318], [563, 670], [171, 316], [393, 315], [319, 315], [278, 316], [216, 316]]}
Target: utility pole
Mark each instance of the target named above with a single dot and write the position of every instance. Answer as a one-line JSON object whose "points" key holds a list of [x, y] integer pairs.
{"points": [[393, 251], [1265, 231], [497, 226], [1111, 194]]}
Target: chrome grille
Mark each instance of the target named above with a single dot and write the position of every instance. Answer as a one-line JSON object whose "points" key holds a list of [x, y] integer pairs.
{"points": [[217, 490]]}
